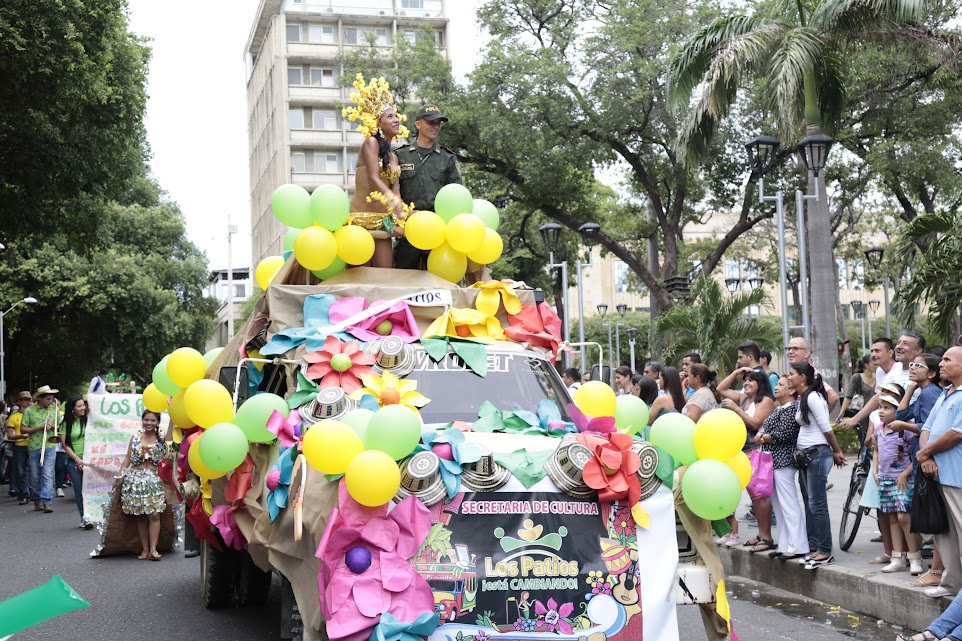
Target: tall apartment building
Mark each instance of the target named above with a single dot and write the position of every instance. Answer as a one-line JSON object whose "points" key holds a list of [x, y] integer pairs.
{"points": [[295, 93]]}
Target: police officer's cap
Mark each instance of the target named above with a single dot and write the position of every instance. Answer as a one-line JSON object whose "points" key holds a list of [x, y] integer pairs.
{"points": [[430, 112]]}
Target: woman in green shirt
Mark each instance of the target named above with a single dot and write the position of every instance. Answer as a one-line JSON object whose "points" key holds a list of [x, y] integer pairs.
{"points": [[72, 437]]}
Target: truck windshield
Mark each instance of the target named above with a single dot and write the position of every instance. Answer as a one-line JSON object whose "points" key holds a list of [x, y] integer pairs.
{"points": [[514, 380]]}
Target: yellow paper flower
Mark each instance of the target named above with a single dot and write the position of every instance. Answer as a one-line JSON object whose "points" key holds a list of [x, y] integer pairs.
{"points": [[388, 389], [466, 323], [493, 290]]}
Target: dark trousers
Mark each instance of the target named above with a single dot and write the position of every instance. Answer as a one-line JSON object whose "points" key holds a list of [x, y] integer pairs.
{"points": [[60, 470], [407, 256], [19, 475]]}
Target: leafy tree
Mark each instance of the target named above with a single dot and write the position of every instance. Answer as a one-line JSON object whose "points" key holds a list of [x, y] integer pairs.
{"points": [[72, 98], [125, 301], [714, 325]]}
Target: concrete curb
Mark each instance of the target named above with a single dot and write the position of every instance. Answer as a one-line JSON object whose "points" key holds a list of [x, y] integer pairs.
{"points": [[861, 592]]}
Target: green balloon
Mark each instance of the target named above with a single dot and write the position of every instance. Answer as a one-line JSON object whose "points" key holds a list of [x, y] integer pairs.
{"points": [[334, 268], [487, 212], [394, 430], [330, 207], [675, 433], [631, 414], [289, 239], [162, 380], [358, 421], [212, 355], [711, 489], [252, 416], [291, 204], [223, 447], [452, 200]]}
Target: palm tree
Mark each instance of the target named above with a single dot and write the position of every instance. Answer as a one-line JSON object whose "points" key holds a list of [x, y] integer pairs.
{"points": [[796, 51], [714, 326], [930, 248]]}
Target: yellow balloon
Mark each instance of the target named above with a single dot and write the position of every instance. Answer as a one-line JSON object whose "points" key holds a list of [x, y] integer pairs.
{"points": [[208, 402], [186, 365], [372, 478], [719, 434], [742, 468], [447, 263], [178, 412], [196, 465], [465, 233], [490, 250], [425, 230], [330, 446], [267, 269], [154, 399], [315, 247], [355, 245], [594, 398]]}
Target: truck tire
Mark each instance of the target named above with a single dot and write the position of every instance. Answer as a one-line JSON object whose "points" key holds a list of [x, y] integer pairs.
{"points": [[292, 626], [253, 584], [217, 573]]}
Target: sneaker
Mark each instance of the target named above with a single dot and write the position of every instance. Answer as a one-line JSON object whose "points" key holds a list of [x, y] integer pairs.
{"points": [[747, 516], [60, 493], [813, 564], [730, 540], [938, 592], [83, 525], [915, 566], [897, 564]]}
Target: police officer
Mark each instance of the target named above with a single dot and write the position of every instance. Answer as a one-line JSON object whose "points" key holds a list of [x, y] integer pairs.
{"points": [[425, 168]]}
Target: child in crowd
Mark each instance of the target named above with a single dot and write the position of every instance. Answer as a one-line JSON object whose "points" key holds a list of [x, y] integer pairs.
{"points": [[890, 460]]}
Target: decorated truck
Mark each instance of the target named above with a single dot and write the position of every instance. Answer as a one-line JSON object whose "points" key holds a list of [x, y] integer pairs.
{"points": [[415, 466]]}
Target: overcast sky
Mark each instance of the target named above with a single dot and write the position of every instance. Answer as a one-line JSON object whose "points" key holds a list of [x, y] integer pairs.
{"points": [[197, 111]]}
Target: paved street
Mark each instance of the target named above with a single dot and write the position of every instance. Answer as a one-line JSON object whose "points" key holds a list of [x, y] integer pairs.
{"points": [[134, 599]]}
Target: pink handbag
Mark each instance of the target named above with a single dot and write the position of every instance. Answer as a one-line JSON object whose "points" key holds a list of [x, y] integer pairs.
{"points": [[763, 474]]}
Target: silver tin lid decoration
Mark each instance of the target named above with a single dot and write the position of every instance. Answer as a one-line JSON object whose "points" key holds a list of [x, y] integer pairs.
{"points": [[649, 463], [566, 466], [393, 355], [330, 403], [484, 475], [421, 477]]}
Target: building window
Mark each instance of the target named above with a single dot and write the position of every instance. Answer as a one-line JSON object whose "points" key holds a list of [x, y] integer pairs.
{"points": [[352, 164], [296, 118], [412, 4], [417, 35], [320, 33], [295, 76], [298, 163], [325, 163], [732, 269], [842, 268], [359, 36], [294, 32], [238, 290], [321, 77], [325, 119]]}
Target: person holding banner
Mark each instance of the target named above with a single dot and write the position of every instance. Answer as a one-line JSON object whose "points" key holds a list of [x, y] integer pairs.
{"points": [[141, 489], [40, 423], [72, 438]]}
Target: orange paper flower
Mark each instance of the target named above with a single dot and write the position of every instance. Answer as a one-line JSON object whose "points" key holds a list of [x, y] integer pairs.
{"points": [[614, 469]]}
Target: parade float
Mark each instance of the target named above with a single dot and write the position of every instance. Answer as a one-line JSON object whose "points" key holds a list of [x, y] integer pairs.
{"points": [[401, 450]]}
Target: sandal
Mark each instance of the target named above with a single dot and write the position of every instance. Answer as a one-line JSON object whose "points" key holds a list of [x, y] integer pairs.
{"points": [[764, 545], [143, 555], [154, 557], [883, 559], [792, 557], [753, 542], [934, 578], [926, 636]]}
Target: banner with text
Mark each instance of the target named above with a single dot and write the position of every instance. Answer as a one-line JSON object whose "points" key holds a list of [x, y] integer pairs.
{"points": [[111, 421]]}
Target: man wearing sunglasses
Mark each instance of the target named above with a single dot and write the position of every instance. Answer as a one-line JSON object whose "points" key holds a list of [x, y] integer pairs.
{"points": [[893, 367]]}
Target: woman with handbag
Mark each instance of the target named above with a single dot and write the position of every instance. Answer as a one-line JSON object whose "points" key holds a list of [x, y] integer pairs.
{"points": [[817, 450], [778, 437]]}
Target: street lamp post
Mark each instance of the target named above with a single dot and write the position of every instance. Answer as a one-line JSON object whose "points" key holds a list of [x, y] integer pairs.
{"points": [[858, 308], [550, 234], [602, 310], [589, 237], [872, 305], [29, 300], [632, 334], [874, 257], [621, 309], [231, 230]]}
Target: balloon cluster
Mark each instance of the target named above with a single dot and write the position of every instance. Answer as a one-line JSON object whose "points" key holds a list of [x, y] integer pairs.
{"points": [[191, 400], [321, 240], [365, 446], [594, 398], [718, 470], [459, 228]]}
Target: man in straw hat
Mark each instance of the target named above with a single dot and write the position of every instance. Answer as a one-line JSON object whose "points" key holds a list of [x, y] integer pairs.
{"points": [[39, 422], [20, 473]]}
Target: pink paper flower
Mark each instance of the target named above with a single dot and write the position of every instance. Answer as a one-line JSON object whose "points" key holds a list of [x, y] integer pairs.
{"points": [[585, 423], [339, 364], [223, 519], [365, 570], [554, 617], [396, 320]]}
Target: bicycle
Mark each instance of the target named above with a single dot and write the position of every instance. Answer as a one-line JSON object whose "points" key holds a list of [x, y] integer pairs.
{"points": [[852, 511]]}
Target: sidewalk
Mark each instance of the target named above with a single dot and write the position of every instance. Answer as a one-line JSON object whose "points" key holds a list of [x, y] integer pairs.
{"points": [[851, 582]]}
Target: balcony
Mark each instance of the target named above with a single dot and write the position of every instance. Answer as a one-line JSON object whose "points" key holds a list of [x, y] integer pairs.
{"points": [[310, 181], [311, 52], [317, 138], [314, 95]]}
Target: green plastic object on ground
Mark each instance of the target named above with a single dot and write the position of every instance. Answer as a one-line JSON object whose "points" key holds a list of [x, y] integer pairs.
{"points": [[44, 602]]}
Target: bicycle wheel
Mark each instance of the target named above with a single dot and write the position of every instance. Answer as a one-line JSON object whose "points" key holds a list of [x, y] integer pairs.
{"points": [[851, 514]]}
